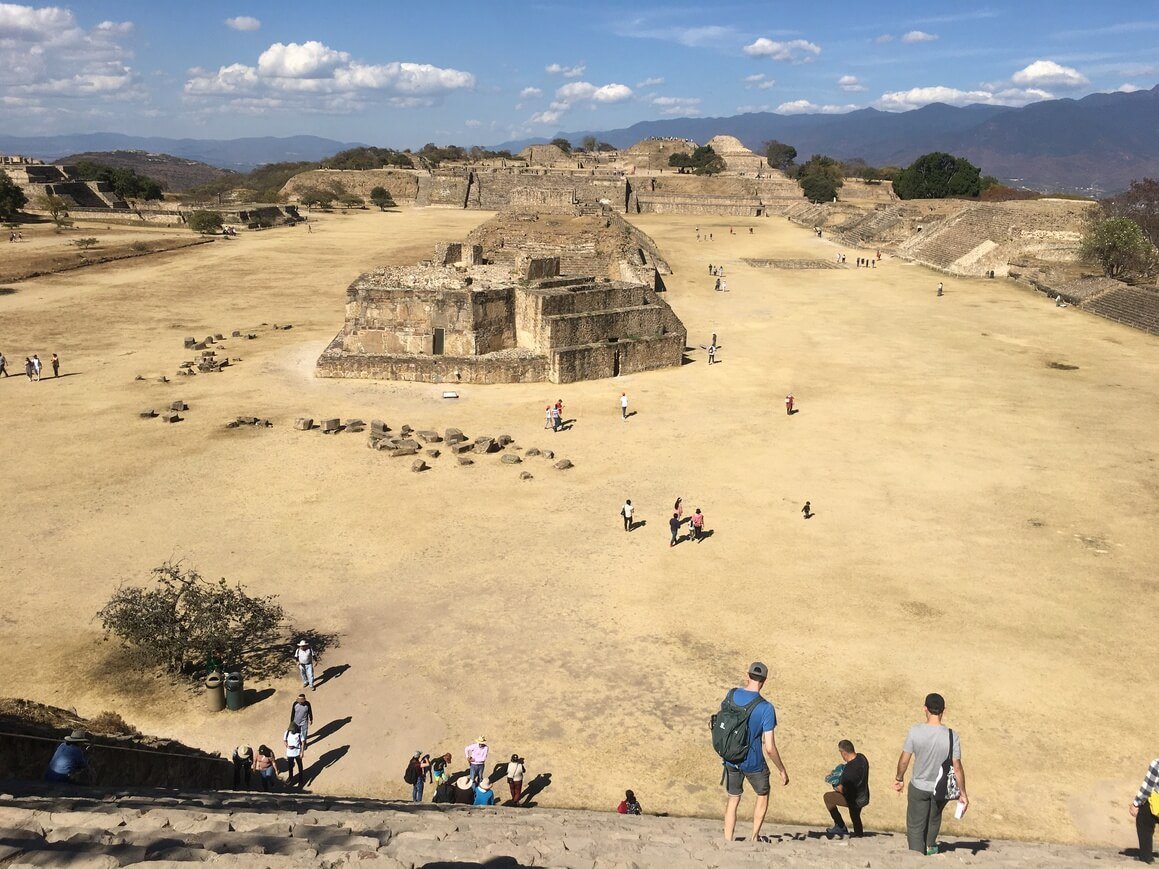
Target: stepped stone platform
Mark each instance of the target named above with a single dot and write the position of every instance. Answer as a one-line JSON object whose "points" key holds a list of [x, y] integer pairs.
{"points": [[1128, 305], [42, 825]]}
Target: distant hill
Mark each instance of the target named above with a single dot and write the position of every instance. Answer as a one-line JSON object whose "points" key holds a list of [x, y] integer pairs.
{"points": [[175, 173], [1097, 144], [240, 155]]}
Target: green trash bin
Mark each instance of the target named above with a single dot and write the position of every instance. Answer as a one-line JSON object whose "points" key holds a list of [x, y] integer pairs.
{"points": [[234, 691], [213, 692]]}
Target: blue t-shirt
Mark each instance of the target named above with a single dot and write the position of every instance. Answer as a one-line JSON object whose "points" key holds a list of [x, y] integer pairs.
{"points": [[66, 761], [762, 719], [485, 798]]}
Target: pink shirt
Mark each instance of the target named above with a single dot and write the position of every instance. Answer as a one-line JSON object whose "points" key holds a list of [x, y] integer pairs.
{"points": [[476, 753]]}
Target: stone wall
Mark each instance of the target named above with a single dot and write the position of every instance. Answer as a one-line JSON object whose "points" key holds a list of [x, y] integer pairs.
{"points": [[403, 320], [402, 183], [503, 367], [621, 357]]}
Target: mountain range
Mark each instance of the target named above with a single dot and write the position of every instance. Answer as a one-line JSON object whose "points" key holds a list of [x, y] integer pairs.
{"points": [[1096, 145], [240, 155]]}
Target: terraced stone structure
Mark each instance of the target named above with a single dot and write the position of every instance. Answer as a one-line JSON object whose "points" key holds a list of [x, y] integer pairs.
{"points": [[37, 179], [461, 319]]}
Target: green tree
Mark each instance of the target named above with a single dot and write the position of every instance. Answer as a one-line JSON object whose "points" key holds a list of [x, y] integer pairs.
{"points": [[351, 200], [1140, 202], [936, 176], [12, 198], [312, 196], [780, 155], [125, 182], [381, 197], [56, 207], [1120, 247], [85, 243], [706, 161], [820, 178], [563, 145], [206, 222], [680, 161], [590, 144], [184, 620]]}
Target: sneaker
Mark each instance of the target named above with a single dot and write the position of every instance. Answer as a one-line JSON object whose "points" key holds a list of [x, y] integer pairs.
{"points": [[930, 852], [839, 832]]}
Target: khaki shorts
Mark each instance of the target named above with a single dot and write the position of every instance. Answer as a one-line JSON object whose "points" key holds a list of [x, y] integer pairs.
{"points": [[734, 781]]}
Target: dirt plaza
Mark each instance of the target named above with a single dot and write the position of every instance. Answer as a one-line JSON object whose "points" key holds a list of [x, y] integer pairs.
{"points": [[982, 466]]}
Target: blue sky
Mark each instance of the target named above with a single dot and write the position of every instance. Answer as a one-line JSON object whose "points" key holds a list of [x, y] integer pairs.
{"points": [[400, 74]]}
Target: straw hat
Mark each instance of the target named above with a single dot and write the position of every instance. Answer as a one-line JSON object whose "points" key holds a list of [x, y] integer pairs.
{"points": [[78, 736]]}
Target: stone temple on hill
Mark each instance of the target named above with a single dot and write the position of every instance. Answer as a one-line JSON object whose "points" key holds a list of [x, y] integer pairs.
{"points": [[459, 319]]}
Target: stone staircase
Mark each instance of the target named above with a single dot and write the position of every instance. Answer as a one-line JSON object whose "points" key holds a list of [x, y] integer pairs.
{"points": [[41, 825], [1128, 305], [958, 236], [872, 228]]}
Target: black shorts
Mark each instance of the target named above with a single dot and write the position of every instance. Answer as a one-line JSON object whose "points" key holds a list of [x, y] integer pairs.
{"points": [[734, 781]]}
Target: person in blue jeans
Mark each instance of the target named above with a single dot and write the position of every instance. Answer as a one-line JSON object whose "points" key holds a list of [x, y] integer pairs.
{"points": [[762, 744], [69, 762]]}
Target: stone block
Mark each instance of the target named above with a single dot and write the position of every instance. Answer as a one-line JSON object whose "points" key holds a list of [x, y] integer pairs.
{"points": [[218, 337], [434, 454], [250, 336], [233, 423], [171, 416], [379, 425], [460, 448], [148, 413], [209, 339], [236, 333], [399, 452], [303, 423], [485, 445], [454, 435], [548, 454], [200, 345], [428, 436], [189, 342], [466, 460], [564, 464], [525, 475], [378, 443], [178, 405], [329, 426], [418, 465], [505, 440], [409, 444], [534, 451], [511, 459]]}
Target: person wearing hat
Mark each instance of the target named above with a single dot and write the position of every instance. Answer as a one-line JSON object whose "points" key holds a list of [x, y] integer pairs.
{"points": [[762, 720], [463, 791], [69, 762], [477, 757], [929, 745], [306, 659], [484, 796], [243, 762]]}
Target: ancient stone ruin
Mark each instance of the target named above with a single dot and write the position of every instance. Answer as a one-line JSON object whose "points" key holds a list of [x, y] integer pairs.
{"points": [[37, 179], [461, 318]]}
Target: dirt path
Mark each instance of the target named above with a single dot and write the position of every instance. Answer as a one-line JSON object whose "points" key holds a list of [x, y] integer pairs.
{"points": [[983, 524]]}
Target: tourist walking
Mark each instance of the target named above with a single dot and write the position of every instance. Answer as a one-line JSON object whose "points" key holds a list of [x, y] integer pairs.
{"points": [[752, 719], [850, 791], [939, 288], [306, 659], [55, 365], [711, 354], [624, 405], [27, 367], [267, 768], [69, 763], [1143, 811], [418, 770], [789, 404], [555, 418], [547, 417], [629, 805], [674, 527], [678, 508], [302, 716], [516, 767], [294, 749], [559, 408], [477, 757], [243, 762], [807, 510], [36, 366], [4, 366], [936, 752], [626, 511], [697, 523], [439, 768]]}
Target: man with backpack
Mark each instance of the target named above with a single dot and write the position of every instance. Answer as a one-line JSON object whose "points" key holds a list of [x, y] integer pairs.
{"points": [[742, 734], [938, 776]]}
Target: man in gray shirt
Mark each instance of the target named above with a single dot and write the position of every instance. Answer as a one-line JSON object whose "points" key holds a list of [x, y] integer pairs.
{"points": [[929, 745]]}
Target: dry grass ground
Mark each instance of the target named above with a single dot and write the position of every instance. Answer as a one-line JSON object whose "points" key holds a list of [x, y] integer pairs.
{"points": [[984, 525]]}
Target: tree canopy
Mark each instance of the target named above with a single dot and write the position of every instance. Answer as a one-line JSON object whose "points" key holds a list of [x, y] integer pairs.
{"points": [[780, 155], [820, 178], [936, 176], [12, 198], [703, 161], [206, 221], [1140, 202], [563, 145], [126, 183], [1120, 247], [381, 197], [368, 158]]}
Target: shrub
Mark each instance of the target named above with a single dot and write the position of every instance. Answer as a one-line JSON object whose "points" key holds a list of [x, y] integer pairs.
{"points": [[85, 243], [206, 221]]}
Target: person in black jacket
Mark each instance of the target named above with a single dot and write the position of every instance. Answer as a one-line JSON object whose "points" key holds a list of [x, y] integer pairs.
{"points": [[851, 791]]}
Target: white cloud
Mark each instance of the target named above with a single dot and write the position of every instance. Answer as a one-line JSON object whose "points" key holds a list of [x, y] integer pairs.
{"points": [[1047, 73], [850, 84], [655, 25], [529, 92], [582, 91], [548, 117], [794, 51], [47, 61], [471, 122], [677, 105], [243, 22], [884, 38], [1127, 88], [759, 81], [327, 80], [900, 101], [650, 82], [800, 107], [566, 71], [749, 109], [918, 36]]}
